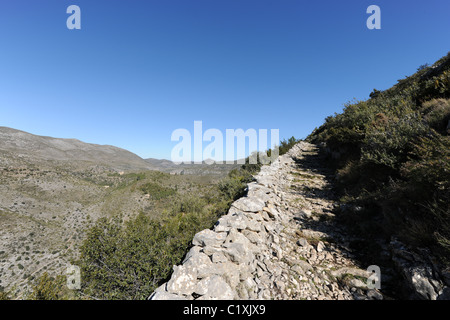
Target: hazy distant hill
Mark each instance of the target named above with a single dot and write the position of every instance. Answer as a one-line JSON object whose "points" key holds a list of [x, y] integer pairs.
{"points": [[194, 169], [24, 144], [28, 145]]}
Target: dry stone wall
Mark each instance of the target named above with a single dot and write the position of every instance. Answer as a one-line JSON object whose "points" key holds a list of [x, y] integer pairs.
{"points": [[259, 250], [274, 243]]}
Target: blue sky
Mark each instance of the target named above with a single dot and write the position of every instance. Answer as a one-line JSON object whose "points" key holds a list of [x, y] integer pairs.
{"points": [[138, 70]]}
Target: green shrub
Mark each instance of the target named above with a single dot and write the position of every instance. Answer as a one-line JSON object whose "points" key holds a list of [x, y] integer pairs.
{"points": [[391, 145], [47, 288], [125, 263], [285, 145], [437, 114], [130, 261], [157, 191]]}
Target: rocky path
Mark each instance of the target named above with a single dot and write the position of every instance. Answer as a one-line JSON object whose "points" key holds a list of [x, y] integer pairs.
{"points": [[278, 242]]}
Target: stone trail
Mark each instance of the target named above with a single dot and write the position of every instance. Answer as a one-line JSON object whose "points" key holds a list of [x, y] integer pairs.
{"points": [[278, 242]]}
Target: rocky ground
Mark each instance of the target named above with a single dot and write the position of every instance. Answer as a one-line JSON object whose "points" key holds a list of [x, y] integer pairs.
{"points": [[278, 242]]}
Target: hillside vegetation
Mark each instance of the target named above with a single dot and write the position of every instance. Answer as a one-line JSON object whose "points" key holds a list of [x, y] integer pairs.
{"points": [[127, 256], [47, 208], [391, 155]]}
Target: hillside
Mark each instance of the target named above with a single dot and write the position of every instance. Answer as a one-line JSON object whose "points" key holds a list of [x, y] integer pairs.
{"points": [[53, 190], [26, 145], [391, 158], [29, 146]]}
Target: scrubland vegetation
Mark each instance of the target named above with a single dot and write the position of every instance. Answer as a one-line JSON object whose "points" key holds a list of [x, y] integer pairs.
{"points": [[391, 156]]}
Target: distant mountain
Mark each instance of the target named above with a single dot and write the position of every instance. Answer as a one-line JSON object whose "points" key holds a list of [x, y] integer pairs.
{"points": [[191, 168], [34, 147], [28, 145]]}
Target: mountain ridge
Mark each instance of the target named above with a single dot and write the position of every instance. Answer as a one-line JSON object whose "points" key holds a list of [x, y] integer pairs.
{"points": [[49, 148], [25, 144]]}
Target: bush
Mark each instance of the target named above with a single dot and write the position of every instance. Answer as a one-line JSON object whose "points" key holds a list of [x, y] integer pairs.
{"points": [[47, 288], [129, 261], [391, 144], [437, 114], [156, 191], [125, 263]]}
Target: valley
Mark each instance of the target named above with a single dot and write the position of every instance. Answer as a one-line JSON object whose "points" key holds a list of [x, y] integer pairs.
{"points": [[48, 201]]}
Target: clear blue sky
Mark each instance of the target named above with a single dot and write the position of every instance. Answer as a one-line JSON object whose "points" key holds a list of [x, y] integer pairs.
{"points": [[138, 70]]}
